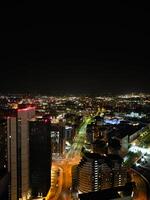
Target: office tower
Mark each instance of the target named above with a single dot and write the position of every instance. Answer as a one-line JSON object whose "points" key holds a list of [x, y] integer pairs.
{"points": [[3, 145], [98, 172], [96, 131], [40, 156], [90, 132], [57, 139], [18, 151], [3, 160], [105, 176], [119, 171], [114, 146], [88, 172], [69, 133]]}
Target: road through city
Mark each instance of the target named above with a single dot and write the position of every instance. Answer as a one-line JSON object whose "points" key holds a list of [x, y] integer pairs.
{"points": [[72, 157]]}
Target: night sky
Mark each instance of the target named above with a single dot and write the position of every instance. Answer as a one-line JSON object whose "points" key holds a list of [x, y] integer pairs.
{"points": [[92, 59]]}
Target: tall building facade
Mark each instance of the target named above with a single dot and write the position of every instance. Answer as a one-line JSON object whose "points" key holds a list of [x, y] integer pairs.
{"points": [[40, 156], [18, 151], [90, 132], [3, 160], [3, 145], [88, 172], [97, 172], [58, 139]]}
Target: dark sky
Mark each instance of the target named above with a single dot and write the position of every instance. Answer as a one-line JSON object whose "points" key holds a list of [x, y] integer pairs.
{"points": [[110, 57]]}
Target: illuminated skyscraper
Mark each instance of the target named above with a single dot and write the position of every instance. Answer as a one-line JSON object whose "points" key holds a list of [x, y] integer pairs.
{"points": [[58, 140], [3, 145], [3, 160], [40, 156], [88, 172], [18, 151], [97, 172]]}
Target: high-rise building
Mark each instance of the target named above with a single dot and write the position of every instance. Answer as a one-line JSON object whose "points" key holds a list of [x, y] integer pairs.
{"points": [[105, 177], [18, 151], [58, 140], [69, 133], [3, 145], [88, 172], [119, 171], [98, 172], [3, 160], [90, 132], [40, 156]]}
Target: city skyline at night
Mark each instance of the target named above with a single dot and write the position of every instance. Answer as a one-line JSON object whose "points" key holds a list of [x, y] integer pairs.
{"points": [[74, 105], [50, 146]]}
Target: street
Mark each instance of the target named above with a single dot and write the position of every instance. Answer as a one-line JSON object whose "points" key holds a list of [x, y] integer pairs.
{"points": [[71, 158]]}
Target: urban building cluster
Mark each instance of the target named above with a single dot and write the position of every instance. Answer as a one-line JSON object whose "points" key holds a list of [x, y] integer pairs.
{"points": [[37, 131]]}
